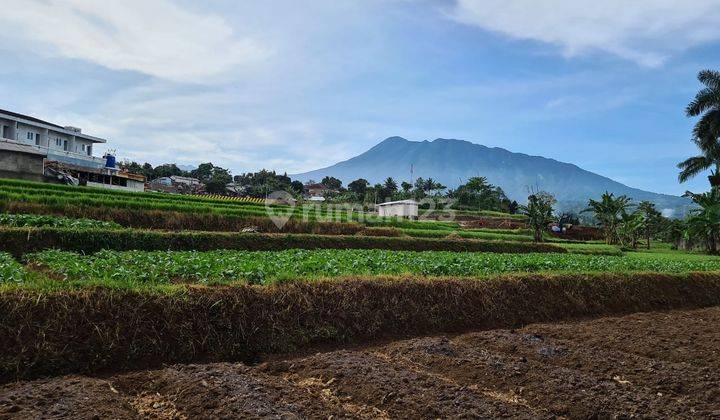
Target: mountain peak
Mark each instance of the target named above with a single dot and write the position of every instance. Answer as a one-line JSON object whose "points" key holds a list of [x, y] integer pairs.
{"points": [[452, 162], [394, 139]]}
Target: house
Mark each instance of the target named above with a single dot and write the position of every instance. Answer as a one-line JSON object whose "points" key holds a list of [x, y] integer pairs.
{"points": [[66, 151], [315, 190], [106, 177], [402, 208], [61, 143], [177, 185]]}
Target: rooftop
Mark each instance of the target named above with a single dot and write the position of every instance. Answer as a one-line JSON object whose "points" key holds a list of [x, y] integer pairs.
{"points": [[53, 126], [29, 118], [398, 202], [13, 146]]}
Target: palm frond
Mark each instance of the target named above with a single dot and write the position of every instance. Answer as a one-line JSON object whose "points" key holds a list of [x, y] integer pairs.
{"points": [[707, 128], [710, 78], [693, 166], [706, 99]]}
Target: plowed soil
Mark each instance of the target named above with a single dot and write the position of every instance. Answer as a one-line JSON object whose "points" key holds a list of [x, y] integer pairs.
{"points": [[662, 364]]}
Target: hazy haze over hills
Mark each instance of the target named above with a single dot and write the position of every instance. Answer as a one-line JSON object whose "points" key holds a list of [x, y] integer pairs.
{"points": [[452, 162]]}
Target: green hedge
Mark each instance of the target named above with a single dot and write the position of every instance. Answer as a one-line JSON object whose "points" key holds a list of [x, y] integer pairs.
{"points": [[19, 241]]}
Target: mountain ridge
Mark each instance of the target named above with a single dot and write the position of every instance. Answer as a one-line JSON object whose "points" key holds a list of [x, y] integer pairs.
{"points": [[453, 161]]}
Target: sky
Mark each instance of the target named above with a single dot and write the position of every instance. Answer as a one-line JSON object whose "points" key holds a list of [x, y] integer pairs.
{"points": [[297, 85]]}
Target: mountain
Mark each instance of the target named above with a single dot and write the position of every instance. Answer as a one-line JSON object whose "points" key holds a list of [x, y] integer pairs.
{"points": [[187, 168], [452, 162]]}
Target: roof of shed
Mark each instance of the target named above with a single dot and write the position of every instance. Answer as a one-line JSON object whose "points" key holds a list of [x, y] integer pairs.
{"points": [[398, 202], [12, 146]]}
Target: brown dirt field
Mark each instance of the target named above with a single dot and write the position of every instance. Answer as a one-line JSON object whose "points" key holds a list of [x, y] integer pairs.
{"points": [[660, 364]]}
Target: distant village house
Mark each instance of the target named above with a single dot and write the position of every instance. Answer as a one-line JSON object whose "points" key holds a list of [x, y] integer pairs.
{"points": [[402, 208]]}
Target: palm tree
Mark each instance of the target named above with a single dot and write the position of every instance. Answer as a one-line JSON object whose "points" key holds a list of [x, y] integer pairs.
{"points": [[706, 132], [608, 213], [630, 227], [704, 223], [539, 211], [652, 218]]}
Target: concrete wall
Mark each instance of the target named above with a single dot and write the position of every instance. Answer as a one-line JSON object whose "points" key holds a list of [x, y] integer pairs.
{"points": [[22, 163], [9, 131], [132, 185], [399, 210], [54, 136]]}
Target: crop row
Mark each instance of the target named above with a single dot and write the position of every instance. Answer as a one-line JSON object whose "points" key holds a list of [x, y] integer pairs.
{"points": [[14, 185], [35, 220], [137, 267], [10, 270], [59, 197], [20, 241]]}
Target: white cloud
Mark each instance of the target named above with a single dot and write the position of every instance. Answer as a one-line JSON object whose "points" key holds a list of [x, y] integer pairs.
{"points": [[644, 31], [154, 37]]}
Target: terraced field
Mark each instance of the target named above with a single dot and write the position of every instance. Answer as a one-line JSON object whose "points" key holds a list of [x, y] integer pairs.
{"points": [[97, 282], [657, 365], [137, 268]]}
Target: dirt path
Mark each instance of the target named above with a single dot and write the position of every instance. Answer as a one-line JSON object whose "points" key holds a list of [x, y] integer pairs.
{"points": [[664, 364]]}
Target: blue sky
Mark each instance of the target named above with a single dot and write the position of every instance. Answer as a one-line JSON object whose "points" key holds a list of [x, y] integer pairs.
{"points": [[294, 86]]}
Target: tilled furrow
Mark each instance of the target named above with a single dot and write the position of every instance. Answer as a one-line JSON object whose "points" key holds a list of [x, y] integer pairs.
{"points": [[225, 390], [671, 383], [672, 336], [529, 374], [68, 397], [365, 379]]}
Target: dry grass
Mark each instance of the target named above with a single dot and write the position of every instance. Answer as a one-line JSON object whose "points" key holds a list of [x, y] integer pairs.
{"points": [[101, 329]]}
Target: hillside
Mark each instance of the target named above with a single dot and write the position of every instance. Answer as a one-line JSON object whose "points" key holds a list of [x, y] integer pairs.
{"points": [[452, 162]]}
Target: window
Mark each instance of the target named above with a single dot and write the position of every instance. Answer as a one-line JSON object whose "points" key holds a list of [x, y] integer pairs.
{"points": [[83, 147], [29, 135], [58, 141]]}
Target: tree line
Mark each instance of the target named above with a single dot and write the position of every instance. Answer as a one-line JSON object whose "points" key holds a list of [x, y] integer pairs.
{"points": [[476, 194]]}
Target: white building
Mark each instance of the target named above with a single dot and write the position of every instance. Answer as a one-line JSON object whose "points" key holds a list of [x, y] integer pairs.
{"points": [[403, 208], [66, 150], [63, 144]]}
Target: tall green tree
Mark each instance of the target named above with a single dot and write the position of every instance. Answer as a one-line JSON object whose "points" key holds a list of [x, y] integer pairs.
{"points": [[214, 177], [631, 227], [653, 220], [359, 188], [706, 133], [608, 213], [539, 212], [331, 182], [389, 188], [704, 222], [478, 194]]}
